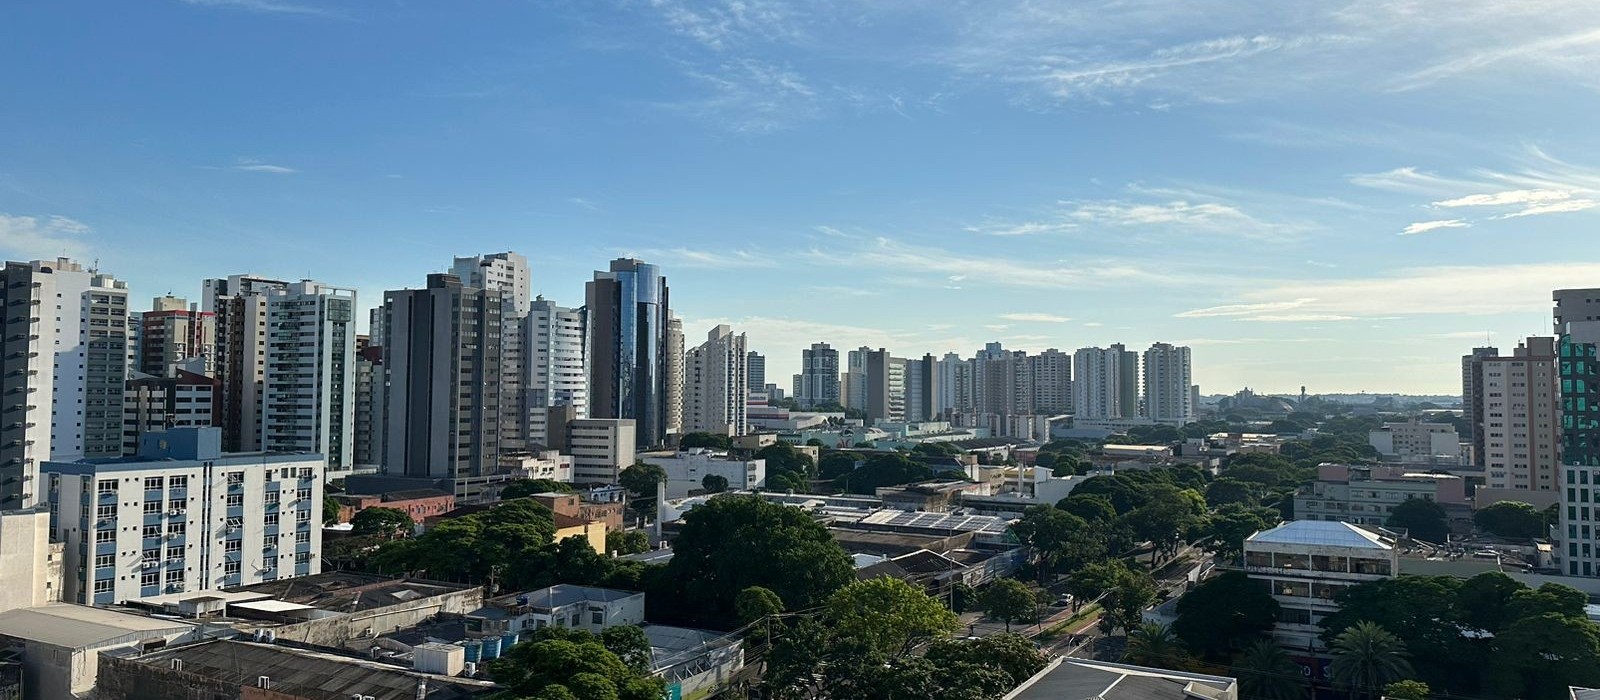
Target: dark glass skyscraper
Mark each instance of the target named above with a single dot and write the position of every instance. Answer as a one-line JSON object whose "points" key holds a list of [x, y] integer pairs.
{"points": [[628, 349]]}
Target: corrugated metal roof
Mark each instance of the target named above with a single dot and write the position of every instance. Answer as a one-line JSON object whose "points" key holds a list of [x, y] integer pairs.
{"points": [[1321, 533], [82, 627]]}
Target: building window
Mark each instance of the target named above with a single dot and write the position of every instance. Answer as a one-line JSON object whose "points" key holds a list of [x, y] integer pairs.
{"points": [[597, 617], [104, 561], [230, 568], [302, 516], [106, 512], [269, 543], [302, 538], [151, 555], [152, 507], [150, 578], [175, 529], [103, 585], [303, 557], [152, 483], [302, 494], [271, 520], [176, 505], [232, 545], [174, 576], [235, 500], [107, 486], [152, 531], [273, 497], [179, 482], [235, 478]]}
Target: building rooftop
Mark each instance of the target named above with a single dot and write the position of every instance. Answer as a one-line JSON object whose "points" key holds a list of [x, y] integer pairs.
{"points": [[308, 674], [348, 592], [1322, 533], [561, 596], [82, 627], [413, 494], [1078, 679]]}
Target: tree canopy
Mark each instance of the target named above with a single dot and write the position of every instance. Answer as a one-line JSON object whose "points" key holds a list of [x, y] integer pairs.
{"points": [[1511, 519], [1009, 600], [1420, 518], [884, 469], [560, 663], [522, 488], [386, 523], [1224, 614], [888, 615]]}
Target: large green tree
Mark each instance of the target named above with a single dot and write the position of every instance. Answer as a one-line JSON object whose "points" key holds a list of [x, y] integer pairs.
{"points": [[1265, 672], [1421, 518], [579, 664], [641, 479], [1511, 519], [1126, 592], [1224, 614], [884, 469], [1059, 541], [1153, 644], [1540, 657], [731, 543], [1010, 600], [385, 523], [888, 615], [1224, 531], [522, 488]]}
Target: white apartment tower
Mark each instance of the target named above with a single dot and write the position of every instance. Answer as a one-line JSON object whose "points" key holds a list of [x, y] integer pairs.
{"points": [[89, 363], [1052, 382], [183, 516], [1522, 417], [715, 374], [1167, 382], [308, 382], [818, 381], [508, 274], [676, 376], [1097, 386], [853, 388], [239, 303], [556, 366], [27, 349]]}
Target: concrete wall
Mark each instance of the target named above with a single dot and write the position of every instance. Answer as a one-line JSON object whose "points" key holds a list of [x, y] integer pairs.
{"points": [[334, 631], [125, 679], [25, 566]]}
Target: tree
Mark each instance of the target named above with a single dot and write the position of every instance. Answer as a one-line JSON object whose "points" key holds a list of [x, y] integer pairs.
{"points": [[1266, 673], [386, 523], [888, 615], [1059, 540], [836, 464], [1483, 599], [642, 478], [1422, 519], [713, 441], [630, 644], [1012, 655], [1126, 592], [1153, 644], [1119, 489], [1224, 614], [731, 543], [755, 603], [1091, 507], [523, 488], [1565, 601], [330, 509], [783, 457], [1228, 490], [580, 665], [1166, 515], [1407, 690], [1511, 519], [1541, 657], [1367, 657], [714, 483], [885, 469], [627, 542], [1009, 600], [1225, 531]]}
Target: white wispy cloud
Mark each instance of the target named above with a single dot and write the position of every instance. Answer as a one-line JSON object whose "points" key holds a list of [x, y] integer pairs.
{"points": [[1426, 226], [691, 258], [752, 96], [1497, 199], [261, 6], [33, 237], [883, 253], [250, 165], [1035, 318], [1566, 207], [1571, 51], [1456, 289], [1298, 318], [1025, 228], [1244, 309], [582, 202]]}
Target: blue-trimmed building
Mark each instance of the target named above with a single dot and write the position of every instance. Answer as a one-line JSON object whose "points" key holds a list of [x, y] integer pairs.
{"points": [[182, 516], [1579, 371]]}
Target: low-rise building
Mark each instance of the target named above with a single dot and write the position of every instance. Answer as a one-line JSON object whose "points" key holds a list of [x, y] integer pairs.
{"points": [[1368, 495], [1417, 442], [61, 643], [238, 670], [420, 504], [687, 470], [182, 516], [154, 404], [1067, 677], [550, 465], [572, 607], [577, 506], [1306, 564]]}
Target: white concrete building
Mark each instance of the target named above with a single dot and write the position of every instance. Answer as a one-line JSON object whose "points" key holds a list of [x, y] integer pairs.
{"points": [[1417, 442], [27, 348], [556, 370], [573, 607], [601, 448], [1307, 563], [308, 382], [183, 516], [715, 394], [154, 404], [1579, 528], [240, 305], [89, 364], [1168, 379], [1051, 372], [687, 470], [508, 274], [1097, 390], [546, 464]]}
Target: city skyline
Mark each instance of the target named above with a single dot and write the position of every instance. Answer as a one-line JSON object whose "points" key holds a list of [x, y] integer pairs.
{"points": [[805, 174]]}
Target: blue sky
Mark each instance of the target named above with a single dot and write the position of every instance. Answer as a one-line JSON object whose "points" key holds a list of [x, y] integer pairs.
{"points": [[1345, 194]]}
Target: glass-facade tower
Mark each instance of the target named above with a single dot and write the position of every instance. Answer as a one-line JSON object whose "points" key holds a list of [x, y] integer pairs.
{"points": [[628, 325]]}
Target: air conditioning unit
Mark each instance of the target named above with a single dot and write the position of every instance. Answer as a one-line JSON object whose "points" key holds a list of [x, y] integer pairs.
{"points": [[149, 564], [469, 669], [172, 536], [174, 512], [103, 521]]}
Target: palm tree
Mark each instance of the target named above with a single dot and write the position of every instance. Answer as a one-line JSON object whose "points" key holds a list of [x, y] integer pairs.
{"points": [[1154, 644], [1266, 673], [1367, 657]]}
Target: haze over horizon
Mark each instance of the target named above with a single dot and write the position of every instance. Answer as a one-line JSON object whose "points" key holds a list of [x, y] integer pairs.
{"points": [[1344, 195]]}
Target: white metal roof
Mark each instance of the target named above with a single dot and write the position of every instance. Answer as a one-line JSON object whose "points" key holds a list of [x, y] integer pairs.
{"points": [[1321, 533], [82, 627], [271, 606]]}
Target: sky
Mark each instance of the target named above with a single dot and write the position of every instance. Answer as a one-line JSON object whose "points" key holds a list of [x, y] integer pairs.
{"points": [[1341, 194]]}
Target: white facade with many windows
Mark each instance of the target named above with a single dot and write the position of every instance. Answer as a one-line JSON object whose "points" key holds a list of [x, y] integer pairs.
{"points": [[1306, 564], [308, 387], [182, 516]]}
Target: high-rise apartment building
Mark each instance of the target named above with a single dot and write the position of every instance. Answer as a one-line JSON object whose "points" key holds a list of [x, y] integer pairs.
{"points": [[715, 393], [89, 363], [922, 389], [755, 371], [173, 334], [441, 363], [1575, 306], [1052, 382], [853, 386], [184, 516], [818, 381], [240, 305], [1472, 397], [1168, 379], [677, 375], [371, 394], [1128, 382], [1578, 364], [28, 336], [508, 274], [555, 367], [1098, 384], [1522, 413], [156, 404], [885, 387], [308, 382], [629, 350]]}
